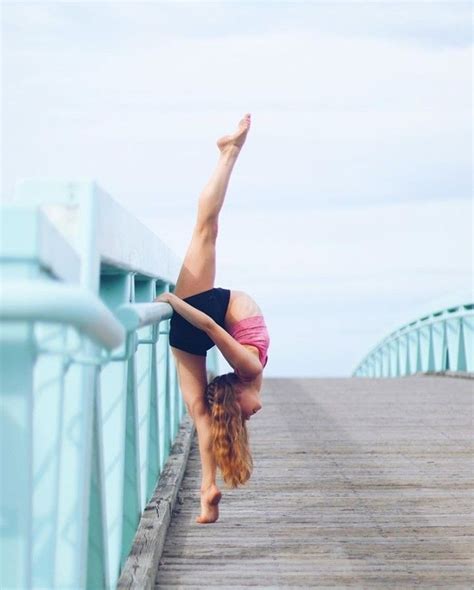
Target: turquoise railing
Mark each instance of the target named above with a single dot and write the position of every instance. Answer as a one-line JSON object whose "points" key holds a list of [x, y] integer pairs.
{"points": [[437, 342], [90, 402]]}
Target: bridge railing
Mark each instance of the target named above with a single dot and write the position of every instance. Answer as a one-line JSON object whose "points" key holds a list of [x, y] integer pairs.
{"points": [[90, 402], [437, 342]]}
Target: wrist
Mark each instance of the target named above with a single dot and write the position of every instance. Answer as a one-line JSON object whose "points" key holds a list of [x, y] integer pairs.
{"points": [[165, 298]]}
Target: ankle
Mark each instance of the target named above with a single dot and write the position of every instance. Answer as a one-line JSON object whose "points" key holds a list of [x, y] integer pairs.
{"points": [[230, 152], [205, 487]]}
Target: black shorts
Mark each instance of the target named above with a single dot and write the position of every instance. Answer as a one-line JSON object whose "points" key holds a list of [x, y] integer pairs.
{"points": [[185, 336]]}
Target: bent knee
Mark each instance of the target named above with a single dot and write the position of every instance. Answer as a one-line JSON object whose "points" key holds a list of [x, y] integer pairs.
{"points": [[208, 229], [197, 408]]}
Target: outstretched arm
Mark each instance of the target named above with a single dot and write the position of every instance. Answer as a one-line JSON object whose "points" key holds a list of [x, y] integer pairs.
{"points": [[240, 359]]}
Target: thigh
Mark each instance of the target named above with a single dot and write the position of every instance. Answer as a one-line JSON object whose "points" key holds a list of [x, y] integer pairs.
{"points": [[198, 271], [192, 376]]}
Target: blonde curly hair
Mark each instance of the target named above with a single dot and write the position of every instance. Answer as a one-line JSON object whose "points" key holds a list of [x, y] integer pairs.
{"points": [[229, 436]]}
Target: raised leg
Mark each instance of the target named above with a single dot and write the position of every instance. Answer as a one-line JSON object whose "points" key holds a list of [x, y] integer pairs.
{"points": [[198, 271], [193, 380], [198, 274]]}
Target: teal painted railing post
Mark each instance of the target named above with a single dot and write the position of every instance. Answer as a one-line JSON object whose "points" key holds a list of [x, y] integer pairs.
{"points": [[431, 356], [115, 290], [408, 364], [163, 388], [419, 367], [444, 349], [145, 291], [398, 371], [174, 397], [17, 358], [97, 555], [462, 364], [131, 475]]}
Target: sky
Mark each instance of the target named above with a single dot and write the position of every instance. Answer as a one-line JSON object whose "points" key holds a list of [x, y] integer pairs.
{"points": [[350, 209]]}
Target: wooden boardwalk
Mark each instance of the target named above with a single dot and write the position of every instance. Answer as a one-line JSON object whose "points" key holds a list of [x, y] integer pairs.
{"points": [[358, 483]]}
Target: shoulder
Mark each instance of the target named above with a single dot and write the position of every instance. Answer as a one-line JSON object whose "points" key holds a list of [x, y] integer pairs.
{"points": [[241, 305]]}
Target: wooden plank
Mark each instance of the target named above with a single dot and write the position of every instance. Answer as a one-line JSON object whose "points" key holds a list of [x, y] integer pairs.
{"points": [[358, 483], [140, 567]]}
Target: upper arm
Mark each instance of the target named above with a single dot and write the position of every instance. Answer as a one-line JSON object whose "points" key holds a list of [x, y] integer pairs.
{"points": [[239, 358]]}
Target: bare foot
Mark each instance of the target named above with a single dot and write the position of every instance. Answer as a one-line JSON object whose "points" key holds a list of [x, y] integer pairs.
{"points": [[237, 139], [210, 499]]}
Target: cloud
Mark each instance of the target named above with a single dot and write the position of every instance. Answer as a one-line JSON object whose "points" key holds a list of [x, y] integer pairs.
{"points": [[431, 24], [367, 118], [282, 71]]}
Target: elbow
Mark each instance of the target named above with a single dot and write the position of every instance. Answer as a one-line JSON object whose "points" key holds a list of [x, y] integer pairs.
{"points": [[209, 327], [250, 371]]}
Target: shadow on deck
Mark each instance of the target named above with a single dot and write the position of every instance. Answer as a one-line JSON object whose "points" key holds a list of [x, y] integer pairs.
{"points": [[357, 482]]}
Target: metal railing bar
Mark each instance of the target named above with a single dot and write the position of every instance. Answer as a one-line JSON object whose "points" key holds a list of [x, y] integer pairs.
{"points": [[48, 301], [438, 318], [139, 315], [417, 325]]}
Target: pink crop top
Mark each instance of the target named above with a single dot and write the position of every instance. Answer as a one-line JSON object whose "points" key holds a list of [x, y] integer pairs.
{"points": [[253, 331]]}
